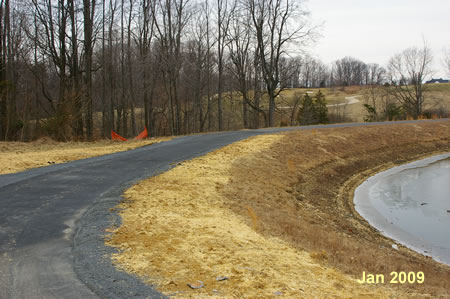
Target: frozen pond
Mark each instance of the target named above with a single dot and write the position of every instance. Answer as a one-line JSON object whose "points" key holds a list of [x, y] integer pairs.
{"points": [[411, 204]]}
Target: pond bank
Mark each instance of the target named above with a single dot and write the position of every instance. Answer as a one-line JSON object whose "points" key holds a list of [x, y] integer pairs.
{"points": [[411, 204]]}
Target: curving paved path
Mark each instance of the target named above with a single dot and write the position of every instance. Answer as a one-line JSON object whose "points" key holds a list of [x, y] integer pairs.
{"points": [[53, 219], [349, 101]]}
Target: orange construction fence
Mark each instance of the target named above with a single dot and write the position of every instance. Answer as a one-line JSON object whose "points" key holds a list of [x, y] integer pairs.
{"points": [[115, 136], [142, 135]]}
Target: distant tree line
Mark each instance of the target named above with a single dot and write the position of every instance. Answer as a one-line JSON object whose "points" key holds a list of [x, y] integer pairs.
{"points": [[77, 69], [312, 73]]}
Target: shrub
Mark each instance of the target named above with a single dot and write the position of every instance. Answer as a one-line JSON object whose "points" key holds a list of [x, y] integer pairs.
{"points": [[306, 112], [321, 110], [393, 112], [313, 110]]}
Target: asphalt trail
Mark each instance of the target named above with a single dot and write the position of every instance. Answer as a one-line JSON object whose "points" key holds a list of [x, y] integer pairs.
{"points": [[53, 219]]}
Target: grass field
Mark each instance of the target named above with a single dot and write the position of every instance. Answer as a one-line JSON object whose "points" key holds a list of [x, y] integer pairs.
{"points": [[336, 95], [437, 97], [274, 214]]}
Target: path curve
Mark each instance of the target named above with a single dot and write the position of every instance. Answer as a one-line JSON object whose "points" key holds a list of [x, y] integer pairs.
{"points": [[53, 219], [349, 101]]}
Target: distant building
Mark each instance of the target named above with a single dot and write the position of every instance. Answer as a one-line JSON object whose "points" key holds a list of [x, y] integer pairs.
{"points": [[437, 81]]}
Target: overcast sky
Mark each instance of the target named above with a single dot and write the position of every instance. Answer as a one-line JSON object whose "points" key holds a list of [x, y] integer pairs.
{"points": [[375, 30]]}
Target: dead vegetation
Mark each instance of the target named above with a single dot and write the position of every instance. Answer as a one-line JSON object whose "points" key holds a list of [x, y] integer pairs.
{"points": [[19, 156], [272, 214], [301, 189]]}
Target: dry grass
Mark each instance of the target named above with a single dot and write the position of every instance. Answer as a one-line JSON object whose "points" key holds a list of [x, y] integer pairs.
{"points": [[301, 189], [19, 156], [271, 214], [437, 98]]}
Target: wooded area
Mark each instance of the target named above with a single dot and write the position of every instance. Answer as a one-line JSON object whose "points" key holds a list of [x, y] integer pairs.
{"points": [[77, 69]]}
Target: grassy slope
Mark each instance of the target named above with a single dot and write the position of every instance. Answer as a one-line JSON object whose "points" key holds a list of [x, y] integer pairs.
{"points": [[315, 172], [437, 96], [274, 214], [337, 95]]}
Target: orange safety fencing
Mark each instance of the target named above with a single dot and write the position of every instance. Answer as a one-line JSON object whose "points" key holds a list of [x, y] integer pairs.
{"points": [[115, 136], [142, 135]]}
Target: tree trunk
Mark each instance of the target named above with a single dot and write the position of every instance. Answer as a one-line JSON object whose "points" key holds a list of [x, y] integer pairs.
{"points": [[3, 111], [123, 106], [77, 107], [104, 107], [12, 127], [88, 41], [130, 72], [271, 109], [110, 68], [63, 110], [245, 114]]}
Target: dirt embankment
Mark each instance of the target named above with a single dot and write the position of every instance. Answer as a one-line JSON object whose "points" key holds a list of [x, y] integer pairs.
{"points": [[303, 192], [274, 215], [19, 156]]}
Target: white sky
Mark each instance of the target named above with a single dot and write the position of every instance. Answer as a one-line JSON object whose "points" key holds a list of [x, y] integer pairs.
{"points": [[375, 30]]}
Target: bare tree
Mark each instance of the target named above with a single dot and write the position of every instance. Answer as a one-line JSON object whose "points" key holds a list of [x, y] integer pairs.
{"points": [[105, 132], [171, 17], [10, 46], [312, 73], [88, 13], [112, 78], [308, 67], [122, 111], [272, 21], [243, 55], [197, 73], [3, 110], [131, 92], [447, 61], [75, 72], [374, 74], [223, 22], [407, 73], [5, 69], [349, 71], [52, 42], [145, 37], [182, 71]]}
